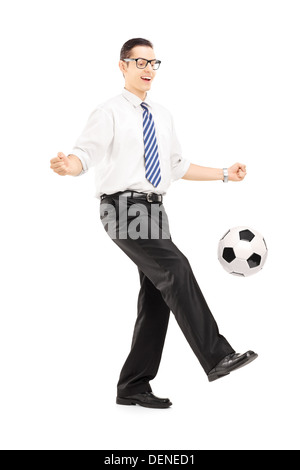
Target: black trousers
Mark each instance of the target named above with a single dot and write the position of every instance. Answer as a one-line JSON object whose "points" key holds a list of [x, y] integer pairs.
{"points": [[167, 283]]}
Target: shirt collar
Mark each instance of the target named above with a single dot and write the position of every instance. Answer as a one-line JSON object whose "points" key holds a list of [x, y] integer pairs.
{"points": [[134, 99]]}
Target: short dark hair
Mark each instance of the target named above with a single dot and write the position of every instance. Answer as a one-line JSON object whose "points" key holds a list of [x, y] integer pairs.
{"points": [[129, 45]]}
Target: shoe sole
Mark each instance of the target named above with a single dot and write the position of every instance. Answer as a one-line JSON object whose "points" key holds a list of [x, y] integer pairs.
{"points": [[220, 375], [129, 402]]}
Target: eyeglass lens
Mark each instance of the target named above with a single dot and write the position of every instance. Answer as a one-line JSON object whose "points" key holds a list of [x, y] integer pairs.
{"points": [[141, 64]]}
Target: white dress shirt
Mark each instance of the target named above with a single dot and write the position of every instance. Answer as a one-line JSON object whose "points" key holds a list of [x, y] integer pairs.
{"points": [[113, 142]]}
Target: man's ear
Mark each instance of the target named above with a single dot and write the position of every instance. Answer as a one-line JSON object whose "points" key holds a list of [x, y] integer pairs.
{"points": [[121, 67]]}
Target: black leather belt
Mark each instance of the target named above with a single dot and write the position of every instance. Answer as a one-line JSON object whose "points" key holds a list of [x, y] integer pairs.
{"points": [[149, 197]]}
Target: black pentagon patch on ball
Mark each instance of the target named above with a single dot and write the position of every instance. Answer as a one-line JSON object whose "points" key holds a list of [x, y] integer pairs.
{"points": [[246, 235], [229, 254], [254, 260]]}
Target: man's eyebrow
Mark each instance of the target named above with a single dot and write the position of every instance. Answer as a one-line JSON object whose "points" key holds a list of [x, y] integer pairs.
{"points": [[145, 59]]}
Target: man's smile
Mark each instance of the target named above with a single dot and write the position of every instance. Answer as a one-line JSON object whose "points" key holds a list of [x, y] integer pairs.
{"points": [[146, 78]]}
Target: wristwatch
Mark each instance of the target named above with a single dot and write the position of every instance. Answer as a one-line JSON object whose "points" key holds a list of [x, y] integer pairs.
{"points": [[225, 173]]}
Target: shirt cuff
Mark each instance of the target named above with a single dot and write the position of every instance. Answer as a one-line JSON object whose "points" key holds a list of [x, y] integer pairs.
{"points": [[81, 155], [180, 169]]}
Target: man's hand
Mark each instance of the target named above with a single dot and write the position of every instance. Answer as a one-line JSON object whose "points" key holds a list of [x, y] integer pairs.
{"points": [[237, 172], [63, 165], [60, 164]]}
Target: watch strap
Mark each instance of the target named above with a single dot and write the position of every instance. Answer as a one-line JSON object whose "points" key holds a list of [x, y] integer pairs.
{"points": [[225, 173]]}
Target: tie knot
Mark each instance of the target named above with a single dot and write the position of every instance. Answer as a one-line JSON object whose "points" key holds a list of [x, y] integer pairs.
{"points": [[144, 106]]}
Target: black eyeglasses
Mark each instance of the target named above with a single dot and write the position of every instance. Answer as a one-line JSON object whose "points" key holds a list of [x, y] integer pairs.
{"points": [[142, 63]]}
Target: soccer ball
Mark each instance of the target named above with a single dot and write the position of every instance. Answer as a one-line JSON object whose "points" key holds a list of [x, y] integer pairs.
{"points": [[242, 251]]}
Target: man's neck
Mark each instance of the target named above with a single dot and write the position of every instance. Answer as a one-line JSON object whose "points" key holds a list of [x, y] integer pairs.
{"points": [[142, 95]]}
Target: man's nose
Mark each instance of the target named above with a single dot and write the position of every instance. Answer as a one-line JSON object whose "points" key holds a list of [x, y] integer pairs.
{"points": [[149, 67]]}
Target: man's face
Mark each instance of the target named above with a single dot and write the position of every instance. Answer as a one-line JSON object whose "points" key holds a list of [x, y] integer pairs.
{"points": [[134, 80]]}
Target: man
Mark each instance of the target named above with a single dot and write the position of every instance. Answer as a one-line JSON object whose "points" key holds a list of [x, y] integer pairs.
{"points": [[131, 142]]}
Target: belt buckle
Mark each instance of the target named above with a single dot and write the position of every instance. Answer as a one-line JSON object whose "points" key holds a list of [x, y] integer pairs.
{"points": [[149, 197]]}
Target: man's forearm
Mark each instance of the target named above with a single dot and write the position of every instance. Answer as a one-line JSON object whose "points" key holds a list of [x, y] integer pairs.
{"points": [[203, 173], [75, 165]]}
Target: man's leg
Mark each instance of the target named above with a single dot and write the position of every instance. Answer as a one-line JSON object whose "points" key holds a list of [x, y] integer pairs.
{"points": [[148, 340], [170, 272]]}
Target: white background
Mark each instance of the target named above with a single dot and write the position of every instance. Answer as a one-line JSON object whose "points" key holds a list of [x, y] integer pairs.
{"points": [[230, 76]]}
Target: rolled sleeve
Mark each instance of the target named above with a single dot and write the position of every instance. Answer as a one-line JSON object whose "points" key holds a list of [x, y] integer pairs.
{"points": [[179, 165], [92, 144]]}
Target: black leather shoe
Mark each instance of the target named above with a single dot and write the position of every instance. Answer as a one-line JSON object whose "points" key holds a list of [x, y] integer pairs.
{"points": [[146, 399], [230, 363]]}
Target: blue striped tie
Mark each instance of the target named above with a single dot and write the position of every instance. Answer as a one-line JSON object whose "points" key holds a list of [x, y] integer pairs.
{"points": [[152, 167]]}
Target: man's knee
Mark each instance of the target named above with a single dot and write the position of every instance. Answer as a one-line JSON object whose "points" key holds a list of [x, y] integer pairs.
{"points": [[179, 272]]}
